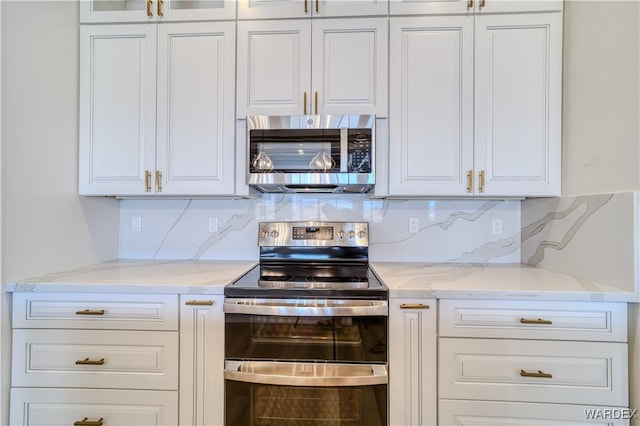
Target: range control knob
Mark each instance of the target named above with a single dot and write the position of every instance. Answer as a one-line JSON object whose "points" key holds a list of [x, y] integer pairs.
{"points": [[264, 233], [362, 234], [352, 234], [341, 234], [274, 234]]}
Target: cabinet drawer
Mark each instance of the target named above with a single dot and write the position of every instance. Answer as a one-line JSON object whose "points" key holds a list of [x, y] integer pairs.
{"points": [[534, 320], [490, 413], [95, 359], [48, 407], [96, 311], [534, 371]]}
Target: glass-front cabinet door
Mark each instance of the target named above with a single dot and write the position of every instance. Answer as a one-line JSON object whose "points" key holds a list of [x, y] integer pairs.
{"points": [[95, 11]]}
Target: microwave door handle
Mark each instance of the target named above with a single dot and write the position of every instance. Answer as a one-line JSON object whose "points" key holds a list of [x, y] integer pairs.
{"points": [[280, 307], [344, 150], [306, 374]]}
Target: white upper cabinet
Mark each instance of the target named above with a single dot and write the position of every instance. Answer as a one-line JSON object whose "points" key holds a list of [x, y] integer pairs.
{"points": [[441, 7], [293, 67], [270, 9], [94, 11], [475, 105], [154, 124]]}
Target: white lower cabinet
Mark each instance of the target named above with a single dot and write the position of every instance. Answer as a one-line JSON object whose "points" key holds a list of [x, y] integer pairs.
{"points": [[93, 407], [94, 359], [412, 361], [532, 363], [201, 360]]}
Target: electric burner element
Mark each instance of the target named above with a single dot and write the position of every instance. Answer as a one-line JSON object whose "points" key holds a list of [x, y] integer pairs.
{"points": [[311, 259]]}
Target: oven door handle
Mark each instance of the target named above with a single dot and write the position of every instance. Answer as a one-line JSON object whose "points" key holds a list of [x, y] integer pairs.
{"points": [[306, 374], [307, 308]]}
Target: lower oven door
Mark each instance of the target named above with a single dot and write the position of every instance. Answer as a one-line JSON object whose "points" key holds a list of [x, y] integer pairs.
{"points": [[260, 393]]}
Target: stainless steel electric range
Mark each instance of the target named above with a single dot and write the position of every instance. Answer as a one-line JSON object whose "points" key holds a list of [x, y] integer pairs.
{"points": [[306, 330]]}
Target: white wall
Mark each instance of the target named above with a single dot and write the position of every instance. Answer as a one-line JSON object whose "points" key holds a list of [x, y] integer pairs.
{"points": [[601, 97], [46, 226]]}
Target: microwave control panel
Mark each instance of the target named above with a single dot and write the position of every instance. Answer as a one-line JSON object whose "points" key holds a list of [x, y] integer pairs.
{"points": [[359, 151]]}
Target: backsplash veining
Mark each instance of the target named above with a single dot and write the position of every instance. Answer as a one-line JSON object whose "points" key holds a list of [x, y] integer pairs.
{"points": [[449, 230]]}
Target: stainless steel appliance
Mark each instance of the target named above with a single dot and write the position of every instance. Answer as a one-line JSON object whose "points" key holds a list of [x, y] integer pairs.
{"points": [[306, 330], [311, 153]]}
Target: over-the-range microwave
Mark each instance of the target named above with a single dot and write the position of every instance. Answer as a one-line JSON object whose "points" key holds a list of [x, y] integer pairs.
{"points": [[311, 153]]}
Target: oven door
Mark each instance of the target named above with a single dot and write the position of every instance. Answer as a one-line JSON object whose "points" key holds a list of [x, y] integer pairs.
{"points": [[306, 329], [294, 393]]}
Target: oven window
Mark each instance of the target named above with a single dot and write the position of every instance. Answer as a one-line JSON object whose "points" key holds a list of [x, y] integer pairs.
{"points": [[275, 405], [355, 339]]}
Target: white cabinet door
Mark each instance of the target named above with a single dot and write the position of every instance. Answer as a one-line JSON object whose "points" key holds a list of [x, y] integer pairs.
{"points": [[412, 362], [431, 105], [274, 67], [439, 7], [195, 108], [349, 58], [269, 9], [518, 104], [117, 108], [94, 11], [201, 360], [54, 407], [455, 412]]}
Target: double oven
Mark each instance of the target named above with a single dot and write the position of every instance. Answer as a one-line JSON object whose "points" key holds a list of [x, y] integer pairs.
{"points": [[306, 330]]}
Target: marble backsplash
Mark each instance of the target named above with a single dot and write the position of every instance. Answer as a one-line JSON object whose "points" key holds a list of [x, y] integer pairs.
{"points": [[449, 230], [594, 237]]}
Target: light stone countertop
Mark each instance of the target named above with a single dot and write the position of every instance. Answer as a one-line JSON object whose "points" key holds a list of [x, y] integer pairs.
{"points": [[404, 279]]}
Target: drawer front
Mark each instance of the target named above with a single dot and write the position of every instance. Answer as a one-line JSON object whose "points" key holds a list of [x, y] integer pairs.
{"points": [[597, 321], [96, 311], [490, 413], [49, 407], [534, 371], [95, 359]]}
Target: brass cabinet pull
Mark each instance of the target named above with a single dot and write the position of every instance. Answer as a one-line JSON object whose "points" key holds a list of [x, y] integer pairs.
{"points": [[199, 302], [469, 4], [538, 373], [315, 102], [160, 3], [481, 4], [147, 181], [317, 8], [149, 3], [534, 321], [304, 101], [87, 422], [470, 181], [414, 306], [481, 176], [91, 312], [88, 361], [158, 181], [306, 10]]}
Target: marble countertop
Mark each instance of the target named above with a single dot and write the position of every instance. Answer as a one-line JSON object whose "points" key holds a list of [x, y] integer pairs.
{"points": [[404, 279]]}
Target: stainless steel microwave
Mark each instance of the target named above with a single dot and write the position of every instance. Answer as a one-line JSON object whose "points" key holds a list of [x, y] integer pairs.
{"points": [[311, 153]]}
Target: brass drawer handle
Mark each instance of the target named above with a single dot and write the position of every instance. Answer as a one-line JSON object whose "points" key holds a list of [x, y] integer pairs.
{"points": [[469, 4], [91, 312], [87, 422], [88, 361], [158, 181], [149, 3], [535, 321], [147, 181], [414, 306], [538, 373], [470, 181], [199, 302], [481, 175], [160, 3]]}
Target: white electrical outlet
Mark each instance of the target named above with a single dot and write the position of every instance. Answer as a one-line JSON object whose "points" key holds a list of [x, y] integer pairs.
{"points": [[414, 225], [213, 224], [496, 226], [136, 224]]}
